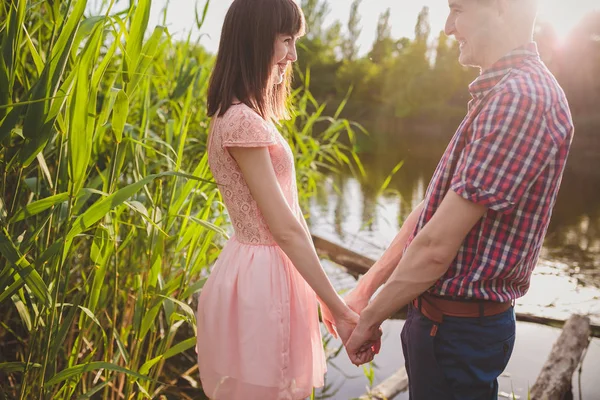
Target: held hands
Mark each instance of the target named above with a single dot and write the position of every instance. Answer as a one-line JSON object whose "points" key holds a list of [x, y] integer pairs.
{"points": [[355, 301], [340, 325], [364, 343], [361, 344]]}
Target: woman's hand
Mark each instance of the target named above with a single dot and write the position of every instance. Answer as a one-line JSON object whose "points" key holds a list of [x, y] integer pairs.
{"points": [[345, 323], [341, 325], [328, 320]]}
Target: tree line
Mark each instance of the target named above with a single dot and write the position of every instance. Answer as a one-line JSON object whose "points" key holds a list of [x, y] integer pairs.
{"points": [[414, 87]]}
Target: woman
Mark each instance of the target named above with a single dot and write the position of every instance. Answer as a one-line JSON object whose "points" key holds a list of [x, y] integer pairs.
{"points": [[258, 329]]}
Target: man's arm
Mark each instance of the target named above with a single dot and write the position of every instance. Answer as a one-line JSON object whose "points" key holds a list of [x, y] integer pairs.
{"points": [[426, 259]]}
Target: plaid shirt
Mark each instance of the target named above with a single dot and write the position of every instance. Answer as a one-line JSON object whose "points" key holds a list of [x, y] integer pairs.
{"points": [[509, 155]]}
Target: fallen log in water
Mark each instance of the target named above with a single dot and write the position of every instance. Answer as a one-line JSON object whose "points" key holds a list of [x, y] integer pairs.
{"points": [[555, 380], [355, 263], [358, 264], [389, 388]]}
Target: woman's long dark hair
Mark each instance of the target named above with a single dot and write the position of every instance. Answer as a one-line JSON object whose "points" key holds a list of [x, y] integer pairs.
{"points": [[245, 58]]}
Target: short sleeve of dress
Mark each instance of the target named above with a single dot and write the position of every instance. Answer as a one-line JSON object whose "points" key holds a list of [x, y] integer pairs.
{"points": [[245, 128]]}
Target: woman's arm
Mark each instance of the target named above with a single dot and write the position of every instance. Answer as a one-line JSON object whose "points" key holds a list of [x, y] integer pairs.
{"points": [[326, 315], [288, 232], [380, 272]]}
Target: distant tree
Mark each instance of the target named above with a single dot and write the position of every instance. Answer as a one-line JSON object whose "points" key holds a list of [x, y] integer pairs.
{"points": [[419, 82], [422, 27], [407, 82], [384, 44], [315, 12], [350, 43], [320, 49], [442, 51]]}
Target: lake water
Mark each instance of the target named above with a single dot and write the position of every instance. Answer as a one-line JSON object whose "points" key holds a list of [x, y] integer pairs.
{"points": [[356, 214]]}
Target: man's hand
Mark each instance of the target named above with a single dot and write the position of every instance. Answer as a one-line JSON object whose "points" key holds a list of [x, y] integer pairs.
{"points": [[364, 343]]}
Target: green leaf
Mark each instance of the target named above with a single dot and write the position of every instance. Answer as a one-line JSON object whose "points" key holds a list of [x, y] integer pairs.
{"points": [[80, 141], [95, 389], [14, 287], [138, 309], [343, 103], [37, 126], [121, 347], [186, 308], [50, 252], [103, 206], [193, 288], [139, 23], [173, 351], [200, 20], [79, 370], [149, 319], [390, 176], [37, 60], [86, 27], [145, 368], [66, 38], [39, 206], [10, 121], [143, 390], [180, 347], [64, 327], [4, 88], [148, 54], [9, 367], [107, 106], [26, 272], [23, 311], [45, 171], [10, 47], [120, 112], [91, 315]]}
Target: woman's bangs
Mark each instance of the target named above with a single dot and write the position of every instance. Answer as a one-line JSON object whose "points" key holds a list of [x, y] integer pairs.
{"points": [[292, 19]]}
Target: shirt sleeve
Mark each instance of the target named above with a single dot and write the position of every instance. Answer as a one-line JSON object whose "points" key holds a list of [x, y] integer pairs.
{"points": [[245, 128], [510, 147]]}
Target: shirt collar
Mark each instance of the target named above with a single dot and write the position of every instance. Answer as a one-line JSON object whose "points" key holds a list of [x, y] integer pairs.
{"points": [[491, 76]]}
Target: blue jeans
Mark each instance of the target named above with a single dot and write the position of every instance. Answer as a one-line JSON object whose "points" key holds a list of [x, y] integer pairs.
{"points": [[462, 361]]}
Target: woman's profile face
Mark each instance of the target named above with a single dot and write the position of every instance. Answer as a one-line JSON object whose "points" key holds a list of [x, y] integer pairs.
{"points": [[284, 55]]}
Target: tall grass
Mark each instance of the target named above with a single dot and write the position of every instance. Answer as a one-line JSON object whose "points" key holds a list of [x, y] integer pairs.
{"points": [[109, 216]]}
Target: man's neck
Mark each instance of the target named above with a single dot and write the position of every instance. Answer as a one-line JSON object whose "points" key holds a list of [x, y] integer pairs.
{"points": [[503, 48]]}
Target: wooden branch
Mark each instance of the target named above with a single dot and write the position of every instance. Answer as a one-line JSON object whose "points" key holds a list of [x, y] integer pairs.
{"points": [[555, 380], [353, 262], [357, 264], [556, 323], [389, 388]]}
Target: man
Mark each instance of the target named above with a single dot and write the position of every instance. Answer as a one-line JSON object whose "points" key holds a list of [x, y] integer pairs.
{"points": [[468, 250]]}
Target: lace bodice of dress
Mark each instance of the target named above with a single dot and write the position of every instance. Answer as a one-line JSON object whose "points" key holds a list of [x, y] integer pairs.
{"points": [[240, 126]]}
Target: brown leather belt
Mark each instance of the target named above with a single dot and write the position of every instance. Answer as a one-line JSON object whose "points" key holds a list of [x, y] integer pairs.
{"points": [[435, 308]]}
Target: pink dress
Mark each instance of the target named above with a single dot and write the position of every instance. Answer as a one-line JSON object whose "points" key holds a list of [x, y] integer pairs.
{"points": [[258, 327]]}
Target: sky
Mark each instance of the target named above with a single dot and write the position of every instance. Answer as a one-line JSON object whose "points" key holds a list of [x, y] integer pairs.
{"points": [[562, 14]]}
